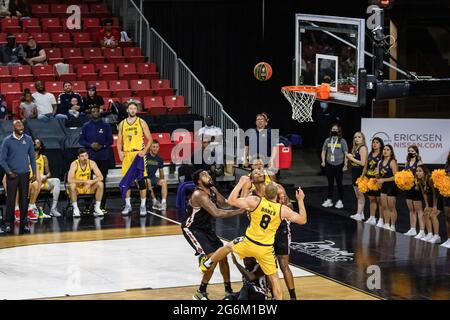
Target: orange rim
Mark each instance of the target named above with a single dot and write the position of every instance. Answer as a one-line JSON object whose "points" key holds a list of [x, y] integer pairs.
{"points": [[300, 88]]}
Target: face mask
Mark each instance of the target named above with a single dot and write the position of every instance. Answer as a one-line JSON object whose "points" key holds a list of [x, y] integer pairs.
{"points": [[411, 155], [334, 133], [37, 148]]}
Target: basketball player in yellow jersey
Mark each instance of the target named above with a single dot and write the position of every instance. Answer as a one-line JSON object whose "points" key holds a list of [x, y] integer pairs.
{"points": [[130, 143], [266, 215], [80, 179], [257, 163]]}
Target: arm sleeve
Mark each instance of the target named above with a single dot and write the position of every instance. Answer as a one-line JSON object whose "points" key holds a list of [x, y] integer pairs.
{"points": [[3, 155]]}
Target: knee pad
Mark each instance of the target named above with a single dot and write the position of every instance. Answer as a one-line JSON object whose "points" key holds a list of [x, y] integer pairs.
{"points": [[142, 184]]}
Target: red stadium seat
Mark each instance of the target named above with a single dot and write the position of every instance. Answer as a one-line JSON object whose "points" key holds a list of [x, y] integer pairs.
{"points": [[133, 55], [141, 87], [50, 25], [54, 55], [2, 38], [127, 71], [93, 55], [73, 55], [99, 10], [21, 38], [5, 75], [175, 105], [71, 76], [22, 73], [29, 85], [79, 87], [128, 99], [147, 71], [183, 137], [155, 105], [44, 73], [62, 39], [31, 25], [163, 137], [43, 39], [119, 88], [91, 25], [15, 109], [12, 91], [58, 10], [82, 40], [107, 71], [86, 72], [11, 25], [114, 55], [102, 88], [162, 87], [40, 10], [55, 87]]}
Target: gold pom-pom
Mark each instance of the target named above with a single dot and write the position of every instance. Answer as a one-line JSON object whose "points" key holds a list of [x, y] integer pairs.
{"points": [[361, 182], [404, 180], [441, 181], [372, 184]]}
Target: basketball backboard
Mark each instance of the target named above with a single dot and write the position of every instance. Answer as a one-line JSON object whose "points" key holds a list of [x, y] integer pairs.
{"points": [[330, 49]]}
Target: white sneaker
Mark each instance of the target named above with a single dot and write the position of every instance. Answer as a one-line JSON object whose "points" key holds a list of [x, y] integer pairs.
{"points": [[127, 210], [392, 228], [380, 223], [420, 235], [98, 212], [428, 237], [339, 205], [156, 205], [143, 211], [436, 239], [327, 203], [358, 216], [55, 213], [76, 213], [446, 244], [163, 205], [411, 232], [372, 221], [386, 226]]}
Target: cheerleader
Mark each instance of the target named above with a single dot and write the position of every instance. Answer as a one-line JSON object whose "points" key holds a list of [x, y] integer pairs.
{"points": [[358, 159], [370, 170], [387, 168], [414, 196], [431, 211], [446, 201]]}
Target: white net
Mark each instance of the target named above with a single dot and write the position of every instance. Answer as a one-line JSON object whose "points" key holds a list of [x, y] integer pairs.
{"points": [[301, 101]]}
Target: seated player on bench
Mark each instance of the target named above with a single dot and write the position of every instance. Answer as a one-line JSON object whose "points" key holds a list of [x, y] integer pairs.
{"points": [[81, 182], [155, 162]]}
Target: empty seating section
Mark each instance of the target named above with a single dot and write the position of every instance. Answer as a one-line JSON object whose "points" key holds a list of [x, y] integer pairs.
{"points": [[119, 74]]}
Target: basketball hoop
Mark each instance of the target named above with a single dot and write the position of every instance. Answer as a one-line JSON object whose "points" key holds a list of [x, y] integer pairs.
{"points": [[302, 99]]}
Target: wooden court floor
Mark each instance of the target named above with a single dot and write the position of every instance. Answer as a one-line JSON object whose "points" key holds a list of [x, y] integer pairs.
{"points": [[308, 288]]}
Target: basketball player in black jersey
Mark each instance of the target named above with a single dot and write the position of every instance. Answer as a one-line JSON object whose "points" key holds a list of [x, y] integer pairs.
{"points": [[283, 235], [199, 227]]}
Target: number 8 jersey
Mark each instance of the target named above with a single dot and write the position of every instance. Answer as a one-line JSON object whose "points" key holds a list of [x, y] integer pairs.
{"points": [[264, 222]]}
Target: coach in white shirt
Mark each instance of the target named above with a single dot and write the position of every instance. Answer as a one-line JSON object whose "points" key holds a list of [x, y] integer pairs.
{"points": [[45, 103], [213, 134]]}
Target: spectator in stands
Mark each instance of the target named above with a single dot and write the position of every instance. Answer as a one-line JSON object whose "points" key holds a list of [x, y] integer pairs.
{"points": [[75, 108], [45, 103], [4, 9], [53, 185], [34, 54], [11, 53], [108, 37], [96, 138], [215, 135], [16, 157], [65, 99], [81, 181], [5, 114], [154, 163], [18, 9], [27, 108], [93, 100]]}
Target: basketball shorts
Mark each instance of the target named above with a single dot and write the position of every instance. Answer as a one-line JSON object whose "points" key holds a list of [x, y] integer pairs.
{"points": [[154, 181], [203, 242], [128, 158], [389, 188], [282, 239], [50, 184], [265, 255], [82, 191]]}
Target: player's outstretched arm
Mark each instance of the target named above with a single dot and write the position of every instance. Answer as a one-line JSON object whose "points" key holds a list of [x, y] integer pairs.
{"points": [[289, 214], [202, 200], [247, 203]]}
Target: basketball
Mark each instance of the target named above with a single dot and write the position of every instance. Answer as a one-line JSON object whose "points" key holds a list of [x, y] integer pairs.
{"points": [[262, 71]]}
